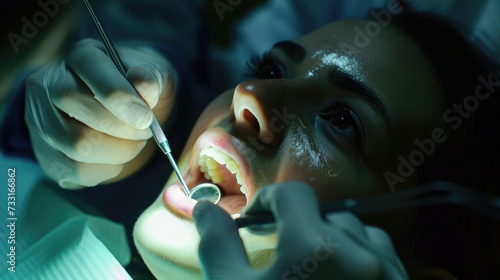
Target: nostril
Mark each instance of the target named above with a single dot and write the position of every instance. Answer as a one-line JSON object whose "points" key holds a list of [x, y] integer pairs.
{"points": [[251, 119]]}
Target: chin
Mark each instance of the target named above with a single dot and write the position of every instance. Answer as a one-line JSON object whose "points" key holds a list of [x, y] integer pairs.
{"points": [[167, 244]]}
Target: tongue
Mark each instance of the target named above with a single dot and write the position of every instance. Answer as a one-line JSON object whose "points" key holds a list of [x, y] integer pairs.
{"points": [[232, 203]]}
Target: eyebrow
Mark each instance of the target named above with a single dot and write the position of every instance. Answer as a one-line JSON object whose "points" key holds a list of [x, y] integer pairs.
{"points": [[337, 77], [294, 51]]}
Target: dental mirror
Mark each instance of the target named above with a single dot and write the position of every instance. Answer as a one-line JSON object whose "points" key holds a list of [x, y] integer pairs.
{"points": [[206, 191]]}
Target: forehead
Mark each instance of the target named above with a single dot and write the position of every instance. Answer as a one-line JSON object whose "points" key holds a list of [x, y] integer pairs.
{"points": [[384, 58]]}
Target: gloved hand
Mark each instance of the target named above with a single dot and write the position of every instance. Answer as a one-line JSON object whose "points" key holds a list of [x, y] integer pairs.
{"points": [[309, 247], [87, 122]]}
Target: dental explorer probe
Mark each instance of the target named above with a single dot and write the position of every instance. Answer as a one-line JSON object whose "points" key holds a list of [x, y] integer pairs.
{"points": [[206, 191]]}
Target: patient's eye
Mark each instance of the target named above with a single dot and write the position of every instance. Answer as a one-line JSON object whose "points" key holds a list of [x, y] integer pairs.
{"points": [[343, 120], [265, 67]]}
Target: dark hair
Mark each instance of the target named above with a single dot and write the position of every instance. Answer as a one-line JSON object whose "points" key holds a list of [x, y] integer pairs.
{"points": [[464, 242]]}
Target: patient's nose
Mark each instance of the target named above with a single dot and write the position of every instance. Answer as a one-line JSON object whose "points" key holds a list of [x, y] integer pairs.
{"points": [[262, 107]]}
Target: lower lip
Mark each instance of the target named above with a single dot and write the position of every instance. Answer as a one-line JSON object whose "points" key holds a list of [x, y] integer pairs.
{"points": [[175, 199]]}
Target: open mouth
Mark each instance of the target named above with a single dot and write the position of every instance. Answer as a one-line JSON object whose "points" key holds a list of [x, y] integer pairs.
{"points": [[223, 167], [220, 169]]}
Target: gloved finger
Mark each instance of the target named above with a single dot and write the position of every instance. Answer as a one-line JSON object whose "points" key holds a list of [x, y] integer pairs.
{"points": [[221, 251], [347, 222], [366, 236], [366, 246], [81, 105], [92, 65], [372, 238], [67, 135], [70, 95], [379, 238], [147, 82], [383, 245], [294, 206], [84, 144], [68, 173], [150, 73]]}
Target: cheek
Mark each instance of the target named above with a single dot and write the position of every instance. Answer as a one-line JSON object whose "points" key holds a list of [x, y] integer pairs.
{"points": [[329, 170], [335, 180]]}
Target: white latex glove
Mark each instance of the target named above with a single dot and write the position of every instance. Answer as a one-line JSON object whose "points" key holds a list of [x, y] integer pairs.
{"points": [[86, 120], [309, 247]]}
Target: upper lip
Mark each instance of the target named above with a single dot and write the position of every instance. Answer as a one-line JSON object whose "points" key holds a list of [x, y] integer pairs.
{"points": [[230, 145]]}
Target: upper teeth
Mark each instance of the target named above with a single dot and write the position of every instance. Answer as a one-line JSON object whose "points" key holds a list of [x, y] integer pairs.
{"points": [[209, 160]]}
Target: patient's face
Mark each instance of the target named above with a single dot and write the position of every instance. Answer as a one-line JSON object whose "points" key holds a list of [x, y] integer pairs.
{"points": [[319, 111]]}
